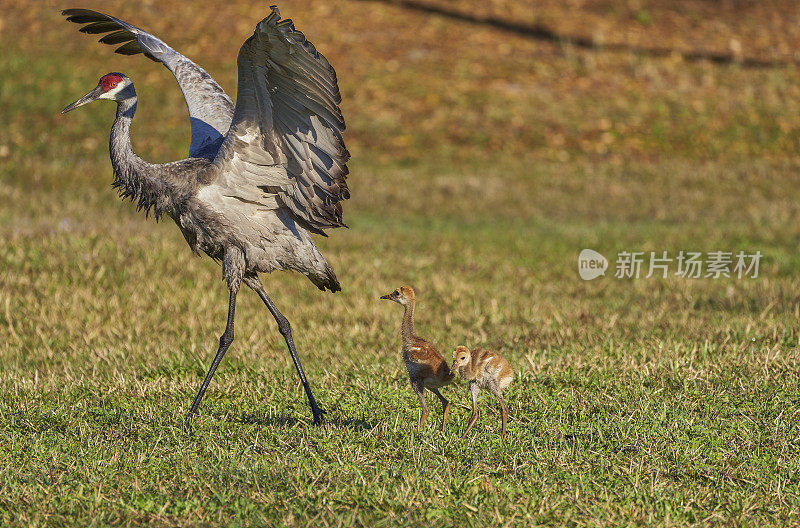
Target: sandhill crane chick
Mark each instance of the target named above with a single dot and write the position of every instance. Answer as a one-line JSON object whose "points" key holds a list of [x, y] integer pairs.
{"points": [[427, 369], [485, 370]]}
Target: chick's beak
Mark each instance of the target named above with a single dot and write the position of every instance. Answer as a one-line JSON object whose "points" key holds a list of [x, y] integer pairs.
{"points": [[384, 296], [88, 98]]}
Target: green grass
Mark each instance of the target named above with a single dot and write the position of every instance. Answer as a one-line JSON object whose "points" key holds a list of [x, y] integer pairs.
{"points": [[644, 402]]}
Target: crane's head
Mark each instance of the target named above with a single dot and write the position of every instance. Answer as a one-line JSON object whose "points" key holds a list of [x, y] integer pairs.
{"points": [[461, 357], [113, 86], [402, 295]]}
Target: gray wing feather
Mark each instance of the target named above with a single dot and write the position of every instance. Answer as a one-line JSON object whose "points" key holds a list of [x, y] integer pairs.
{"points": [[210, 109], [287, 114]]}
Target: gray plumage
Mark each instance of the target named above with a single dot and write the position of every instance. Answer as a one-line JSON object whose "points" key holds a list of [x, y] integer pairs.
{"points": [[261, 175], [210, 108]]}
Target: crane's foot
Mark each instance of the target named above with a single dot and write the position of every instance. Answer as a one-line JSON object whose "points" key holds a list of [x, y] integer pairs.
{"points": [[319, 415], [188, 421]]}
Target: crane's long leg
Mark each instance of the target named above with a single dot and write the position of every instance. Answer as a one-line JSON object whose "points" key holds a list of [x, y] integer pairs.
{"points": [[420, 390], [225, 341], [474, 390], [503, 413], [286, 331], [445, 406]]}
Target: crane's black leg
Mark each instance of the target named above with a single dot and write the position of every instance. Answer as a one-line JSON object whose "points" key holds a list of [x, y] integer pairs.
{"points": [[286, 331], [225, 341]]}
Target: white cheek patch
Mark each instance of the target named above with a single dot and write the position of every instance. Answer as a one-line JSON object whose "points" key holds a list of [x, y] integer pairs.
{"points": [[114, 91]]}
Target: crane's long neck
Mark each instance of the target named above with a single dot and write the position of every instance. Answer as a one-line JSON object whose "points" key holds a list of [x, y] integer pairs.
{"points": [[407, 330], [135, 178], [468, 371]]}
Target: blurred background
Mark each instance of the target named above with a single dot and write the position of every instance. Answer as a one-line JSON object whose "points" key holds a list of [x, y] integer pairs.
{"points": [[498, 81]]}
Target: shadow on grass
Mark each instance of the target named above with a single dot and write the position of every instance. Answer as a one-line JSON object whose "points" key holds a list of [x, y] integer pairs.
{"points": [[540, 32], [286, 421]]}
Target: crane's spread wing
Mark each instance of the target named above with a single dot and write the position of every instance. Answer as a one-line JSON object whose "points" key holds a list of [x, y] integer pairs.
{"points": [[210, 109], [287, 115]]}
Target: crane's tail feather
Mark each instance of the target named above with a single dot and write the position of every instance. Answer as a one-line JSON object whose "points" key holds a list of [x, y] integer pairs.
{"points": [[327, 281]]}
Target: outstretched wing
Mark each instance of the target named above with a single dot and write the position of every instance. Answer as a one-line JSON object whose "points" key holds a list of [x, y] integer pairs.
{"points": [[210, 109], [287, 115]]}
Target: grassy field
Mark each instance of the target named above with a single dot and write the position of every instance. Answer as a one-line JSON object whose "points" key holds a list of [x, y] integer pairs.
{"points": [[485, 158]]}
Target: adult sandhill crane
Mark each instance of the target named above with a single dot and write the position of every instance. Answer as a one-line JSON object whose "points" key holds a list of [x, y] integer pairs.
{"points": [[260, 176]]}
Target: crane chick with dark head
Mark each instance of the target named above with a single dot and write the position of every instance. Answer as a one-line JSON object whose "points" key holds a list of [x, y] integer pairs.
{"points": [[261, 176]]}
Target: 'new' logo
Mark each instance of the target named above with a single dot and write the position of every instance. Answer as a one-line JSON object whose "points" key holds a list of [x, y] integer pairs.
{"points": [[591, 264]]}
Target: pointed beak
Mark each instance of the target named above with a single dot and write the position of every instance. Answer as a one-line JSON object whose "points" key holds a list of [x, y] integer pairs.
{"points": [[384, 297], [88, 98]]}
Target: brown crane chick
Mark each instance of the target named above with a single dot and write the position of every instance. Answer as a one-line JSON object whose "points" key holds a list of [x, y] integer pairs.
{"points": [[485, 370], [427, 369]]}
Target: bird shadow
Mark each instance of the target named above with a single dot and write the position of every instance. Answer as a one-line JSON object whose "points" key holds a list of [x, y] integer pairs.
{"points": [[288, 421], [540, 32]]}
